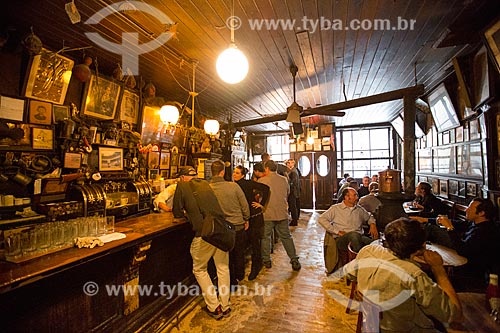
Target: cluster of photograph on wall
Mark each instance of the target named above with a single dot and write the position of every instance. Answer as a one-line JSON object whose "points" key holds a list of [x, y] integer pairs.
{"points": [[165, 162]]}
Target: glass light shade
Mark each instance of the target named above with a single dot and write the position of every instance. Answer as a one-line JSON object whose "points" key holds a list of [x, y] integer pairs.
{"points": [[169, 114], [232, 65], [310, 140], [211, 126]]}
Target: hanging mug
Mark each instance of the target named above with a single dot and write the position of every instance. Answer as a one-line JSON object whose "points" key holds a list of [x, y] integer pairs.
{"points": [[22, 179]]}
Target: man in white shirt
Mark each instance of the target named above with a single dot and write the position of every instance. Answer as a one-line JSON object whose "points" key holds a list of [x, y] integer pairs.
{"points": [[345, 222]]}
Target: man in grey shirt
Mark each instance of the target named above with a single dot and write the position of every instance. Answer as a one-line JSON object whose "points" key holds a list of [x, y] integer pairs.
{"points": [[235, 207], [276, 216], [345, 222]]}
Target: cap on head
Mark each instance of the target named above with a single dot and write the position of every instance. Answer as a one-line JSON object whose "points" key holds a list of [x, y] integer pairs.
{"points": [[189, 171]]}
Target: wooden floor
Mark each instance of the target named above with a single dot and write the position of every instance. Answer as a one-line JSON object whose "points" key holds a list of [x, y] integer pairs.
{"points": [[280, 299]]}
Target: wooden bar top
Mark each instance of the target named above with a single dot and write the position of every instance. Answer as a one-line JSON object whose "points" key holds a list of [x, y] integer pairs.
{"points": [[136, 229]]}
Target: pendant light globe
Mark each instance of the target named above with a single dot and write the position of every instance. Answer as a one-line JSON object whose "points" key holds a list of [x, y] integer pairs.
{"points": [[232, 65]]}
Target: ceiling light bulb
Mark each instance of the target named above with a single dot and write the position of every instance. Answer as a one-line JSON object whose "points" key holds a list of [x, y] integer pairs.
{"points": [[310, 140], [169, 114], [232, 65]]}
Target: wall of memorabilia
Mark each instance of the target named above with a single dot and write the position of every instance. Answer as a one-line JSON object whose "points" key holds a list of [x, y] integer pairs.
{"points": [[69, 121], [458, 162]]}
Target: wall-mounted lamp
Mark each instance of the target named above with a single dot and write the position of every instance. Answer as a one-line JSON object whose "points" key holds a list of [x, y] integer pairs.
{"points": [[169, 115], [211, 127]]}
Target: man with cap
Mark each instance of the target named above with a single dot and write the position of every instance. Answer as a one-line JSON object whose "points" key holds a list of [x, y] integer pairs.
{"points": [[185, 203]]}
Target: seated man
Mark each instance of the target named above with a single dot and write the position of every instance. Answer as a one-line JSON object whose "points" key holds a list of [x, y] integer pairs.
{"points": [[476, 239], [431, 205], [345, 221], [370, 202], [390, 278]]}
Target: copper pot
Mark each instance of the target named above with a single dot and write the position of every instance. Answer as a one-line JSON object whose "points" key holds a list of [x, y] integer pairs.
{"points": [[389, 181]]}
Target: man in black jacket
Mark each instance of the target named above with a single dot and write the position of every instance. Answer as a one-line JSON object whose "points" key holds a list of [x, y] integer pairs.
{"points": [[477, 239]]}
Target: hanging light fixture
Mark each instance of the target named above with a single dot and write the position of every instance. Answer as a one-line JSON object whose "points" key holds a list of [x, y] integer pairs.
{"points": [[232, 64], [211, 127], [169, 115]]}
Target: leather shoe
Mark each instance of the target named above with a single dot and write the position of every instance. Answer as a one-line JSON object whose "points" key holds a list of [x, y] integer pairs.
{"points": [[254, 272], [267, 264], [296, 265]]}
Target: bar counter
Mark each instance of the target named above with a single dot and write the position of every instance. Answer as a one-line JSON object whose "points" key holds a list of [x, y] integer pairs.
{"points": [[49, 293]]}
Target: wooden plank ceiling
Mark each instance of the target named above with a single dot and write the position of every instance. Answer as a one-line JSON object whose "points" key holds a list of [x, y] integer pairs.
{"points": [[334, 64]]}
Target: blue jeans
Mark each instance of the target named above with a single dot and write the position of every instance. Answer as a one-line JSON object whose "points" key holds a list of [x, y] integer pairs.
{"points": [[357, 241], [284, 234]]}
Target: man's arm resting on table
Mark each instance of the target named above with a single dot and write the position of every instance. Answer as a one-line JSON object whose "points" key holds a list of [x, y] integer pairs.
{"points": [[436, 262]]}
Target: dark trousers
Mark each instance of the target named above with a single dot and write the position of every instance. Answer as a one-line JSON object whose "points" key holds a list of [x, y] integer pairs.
{"points": [[255, 233], [355, 238], [292, 207], [237, 257]]}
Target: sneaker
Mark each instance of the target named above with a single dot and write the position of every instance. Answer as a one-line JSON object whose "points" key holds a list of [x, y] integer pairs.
{"points": [[296, 265], [216, 314], [267, 264], [226, 313]]}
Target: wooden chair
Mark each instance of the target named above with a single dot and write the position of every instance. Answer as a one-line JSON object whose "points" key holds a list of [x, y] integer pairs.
{"points": [[450, 205], [369, 315], [351, 255]]}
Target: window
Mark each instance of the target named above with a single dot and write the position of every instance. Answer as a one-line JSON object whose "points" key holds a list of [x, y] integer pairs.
{"points": [[278, 147], [364, 151]]}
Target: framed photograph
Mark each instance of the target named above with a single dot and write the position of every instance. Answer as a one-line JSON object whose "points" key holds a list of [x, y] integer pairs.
{"points": [[129, 107], [325, 130], [453, 187], [60, 112], [459, 134], [42, 138], [110, 159], [154, 173], [492, 36], [293, 147], [72, 160], [461, 189], [49, 77], [435, 186], [182, 159], [443, 188], [173, 171], [11, 108], [101, 98], [474, 129], [481, 81], [471, 189], [165, 174], [165, 160], [40, 113], [154, 160]]}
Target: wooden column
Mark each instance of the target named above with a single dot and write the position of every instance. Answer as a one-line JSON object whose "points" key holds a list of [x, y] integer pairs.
{"points": [[409, 143]]}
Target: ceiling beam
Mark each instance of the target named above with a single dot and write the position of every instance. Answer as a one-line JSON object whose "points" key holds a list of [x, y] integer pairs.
{"points": [[333, 109]]}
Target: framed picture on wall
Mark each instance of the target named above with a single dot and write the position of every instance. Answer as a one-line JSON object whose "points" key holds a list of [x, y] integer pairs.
{"points": [[154, 160], [435, 186], [129, 107], [165, 160], [471, 189], [443, 188], [164, 174], [325, 130], [153, 174], [40, 112], [173, 171], [60, 112], [182, 159], [49, 76], [481, 86], [453, 187], [42, 138], [110, 159], [461, 189], [492, 36], [101, 98]]}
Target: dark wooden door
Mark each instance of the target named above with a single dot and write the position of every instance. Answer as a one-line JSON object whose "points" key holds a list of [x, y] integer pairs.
{"points": [[304, 162], [325, 176]]}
